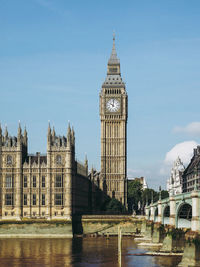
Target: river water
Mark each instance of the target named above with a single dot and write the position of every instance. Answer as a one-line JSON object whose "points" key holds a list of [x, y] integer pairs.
{"points": [[78, 252]]}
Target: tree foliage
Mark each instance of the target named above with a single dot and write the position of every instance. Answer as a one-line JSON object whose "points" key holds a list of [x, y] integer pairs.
{"points": [[136, 194], [114, 206]]}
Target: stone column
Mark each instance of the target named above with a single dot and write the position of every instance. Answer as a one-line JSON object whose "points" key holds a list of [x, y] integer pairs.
{"points": [[159, 211], [172, 205], [152, 212], [195, 211], [147, 211], [147, 208]]}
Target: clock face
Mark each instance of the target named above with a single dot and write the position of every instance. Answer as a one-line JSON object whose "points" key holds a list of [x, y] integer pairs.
{"points": [[113, 105]]}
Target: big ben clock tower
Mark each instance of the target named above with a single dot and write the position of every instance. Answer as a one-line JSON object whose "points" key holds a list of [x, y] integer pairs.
{"points": [[113, 115]]}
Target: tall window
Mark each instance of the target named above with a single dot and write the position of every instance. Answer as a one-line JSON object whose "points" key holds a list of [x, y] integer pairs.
{"points": [[58, 159], [34, 181], [59, 181], [8, 181], [58, 199], [25, 199], [8, 199], [9, 159], [43, 199], [25, 181], [43, 181], [34, 199]]}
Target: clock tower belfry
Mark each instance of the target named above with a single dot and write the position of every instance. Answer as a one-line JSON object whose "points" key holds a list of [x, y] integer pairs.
{"points": [[113, 115]]}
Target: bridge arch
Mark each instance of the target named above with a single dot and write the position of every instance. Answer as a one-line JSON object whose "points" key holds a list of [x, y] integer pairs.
{"points": [[156, 214], [184, 215], [166, 214]]}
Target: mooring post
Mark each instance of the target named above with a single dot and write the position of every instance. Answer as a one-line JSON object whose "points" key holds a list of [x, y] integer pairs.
{"points": [[119, 246]]}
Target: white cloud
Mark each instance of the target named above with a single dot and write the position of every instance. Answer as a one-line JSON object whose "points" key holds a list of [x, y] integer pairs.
{"points": [[191, 129], [158, 173], [184, 150]]}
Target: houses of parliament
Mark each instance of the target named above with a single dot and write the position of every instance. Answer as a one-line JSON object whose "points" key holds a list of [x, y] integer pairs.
{"points": [[56, 185]]}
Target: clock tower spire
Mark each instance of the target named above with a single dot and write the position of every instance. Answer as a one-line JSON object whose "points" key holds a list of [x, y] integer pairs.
{"points": [[113, 116]]}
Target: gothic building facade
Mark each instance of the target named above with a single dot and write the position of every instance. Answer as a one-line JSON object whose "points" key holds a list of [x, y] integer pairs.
{"points": [[191, 175], [56, 185], [51, 186], [174, 183], [113, 116]]}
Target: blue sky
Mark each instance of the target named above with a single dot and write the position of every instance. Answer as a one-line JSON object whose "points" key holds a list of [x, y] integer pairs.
{"points": [[53, 57]]}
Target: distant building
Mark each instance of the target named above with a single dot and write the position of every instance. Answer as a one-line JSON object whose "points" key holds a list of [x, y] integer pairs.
{"points": [[174, 183], [142, 181], [191, 175]]}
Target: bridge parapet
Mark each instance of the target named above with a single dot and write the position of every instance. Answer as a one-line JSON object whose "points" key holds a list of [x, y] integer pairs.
{"points": [[183, 210]]}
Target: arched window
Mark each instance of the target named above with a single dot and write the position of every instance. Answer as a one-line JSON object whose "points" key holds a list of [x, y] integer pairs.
{"points": [[58, 159], [9, 159]]}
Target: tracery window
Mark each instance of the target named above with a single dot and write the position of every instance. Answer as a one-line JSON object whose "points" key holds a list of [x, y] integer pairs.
{"points": [[8, 181], [25, 181], [9, 159], [43, 199], [43, 181], [8, 199], [58, 159], [34, 181], [59, 181], [58, 199], [25, 199], [34, 199]]}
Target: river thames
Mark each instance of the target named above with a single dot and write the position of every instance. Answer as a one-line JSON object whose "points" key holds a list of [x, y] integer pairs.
{"points": [[83, 252]]}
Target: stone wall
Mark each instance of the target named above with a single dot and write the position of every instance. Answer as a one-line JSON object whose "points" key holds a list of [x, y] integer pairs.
{"points": [[42, 229], [86, 225], [108, 224]]}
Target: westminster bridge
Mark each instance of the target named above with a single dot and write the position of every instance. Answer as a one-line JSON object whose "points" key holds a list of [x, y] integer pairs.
{"points": [[180, 211]]}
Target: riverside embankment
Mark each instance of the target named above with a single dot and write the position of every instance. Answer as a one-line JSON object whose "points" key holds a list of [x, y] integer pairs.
{"points": [[80, 225], [107, 224]]}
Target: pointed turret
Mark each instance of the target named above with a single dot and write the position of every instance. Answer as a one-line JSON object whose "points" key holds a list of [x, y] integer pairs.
{"points": [[6, 132], [49, 135], [86, 164], [73, 136], [113, 57], [69, 134], [19, 135], [19, 130], [113, 62], [86, 160], [53, 134], [49, 129], [113, 69], [25, 136]]}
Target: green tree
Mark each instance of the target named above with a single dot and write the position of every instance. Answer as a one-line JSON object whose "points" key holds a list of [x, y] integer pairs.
{"points": [[114, 206], [134, 194]]}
